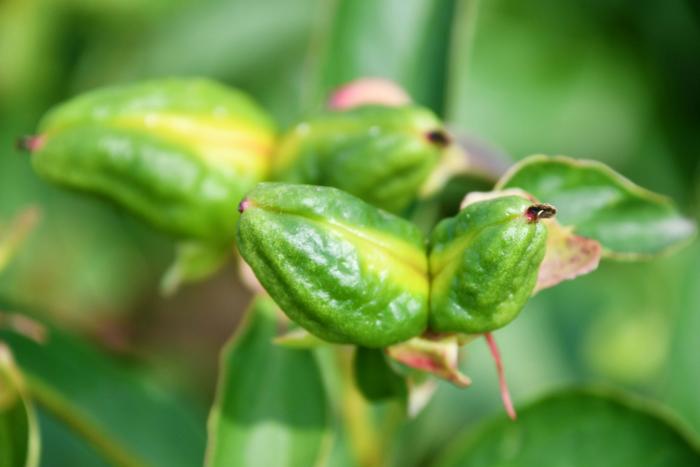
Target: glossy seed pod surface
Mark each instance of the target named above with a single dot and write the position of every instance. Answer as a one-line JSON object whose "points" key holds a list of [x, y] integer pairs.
{"points": [[178, 152], [341, 268], [380, 154], [484, 264]]}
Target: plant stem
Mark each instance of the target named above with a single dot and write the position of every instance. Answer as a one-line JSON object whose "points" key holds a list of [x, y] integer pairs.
{"points": [[364, 439], [461, 44], [505, 394]]}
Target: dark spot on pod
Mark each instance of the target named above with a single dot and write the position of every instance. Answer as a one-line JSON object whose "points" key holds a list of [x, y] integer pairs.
{"points": [[540, 211], [438, 137], [243, 205]]}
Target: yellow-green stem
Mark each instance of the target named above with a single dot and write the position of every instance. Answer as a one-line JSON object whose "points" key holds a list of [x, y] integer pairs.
{"points": [[364, 439]]}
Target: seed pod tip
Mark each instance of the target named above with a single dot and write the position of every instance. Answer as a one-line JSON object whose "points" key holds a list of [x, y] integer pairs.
{"points": [[438, 137], [243, 205], [29, 143], [540, 211]]}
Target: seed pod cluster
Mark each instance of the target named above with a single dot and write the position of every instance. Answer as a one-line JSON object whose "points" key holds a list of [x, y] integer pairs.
{"points": [[181, 153], [349, 272]]}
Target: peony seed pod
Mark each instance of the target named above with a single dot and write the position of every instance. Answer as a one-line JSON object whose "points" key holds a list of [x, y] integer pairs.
{"points": [[484, 264], [339, 267], [378, 153], [180, 153]]}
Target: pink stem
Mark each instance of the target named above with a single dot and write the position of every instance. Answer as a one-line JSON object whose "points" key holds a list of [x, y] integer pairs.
{"points": [[505, 394]]}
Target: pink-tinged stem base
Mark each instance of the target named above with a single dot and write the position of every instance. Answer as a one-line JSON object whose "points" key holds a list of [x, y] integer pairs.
{"points": [[505, 394], [30, 143], [243, 205]]}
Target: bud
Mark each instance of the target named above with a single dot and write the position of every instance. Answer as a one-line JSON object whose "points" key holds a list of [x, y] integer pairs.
{"points": [[367, 91]]}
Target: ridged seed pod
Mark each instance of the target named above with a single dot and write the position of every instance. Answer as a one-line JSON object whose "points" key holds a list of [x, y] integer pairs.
{"points": [[180, 153], [484, 264], [381, 154], [341, 268]]}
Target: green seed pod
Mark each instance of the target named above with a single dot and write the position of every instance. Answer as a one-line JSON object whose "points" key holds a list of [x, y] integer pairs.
{"points": [[380, 154], [179, 152], [484, 264], [339, 267]]}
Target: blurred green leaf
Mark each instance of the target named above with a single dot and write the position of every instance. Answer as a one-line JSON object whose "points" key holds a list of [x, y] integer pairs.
{"points": [[32, 65], [85, 256], [375, 379], [271, 408], [548, 76], [130, 422], [61, 446], [258, 46], [19, 430], [629, 221], [682, 378], [577, 428], [12, 237], [403, 40]]}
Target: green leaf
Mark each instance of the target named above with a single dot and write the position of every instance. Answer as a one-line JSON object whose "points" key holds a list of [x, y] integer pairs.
{"points": [[12, 237], [19, 430], [128, 421], [577, 428], [375, 379], [270, 408], [630, 222], [61, 447], [681, 377], [403, 40]]}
